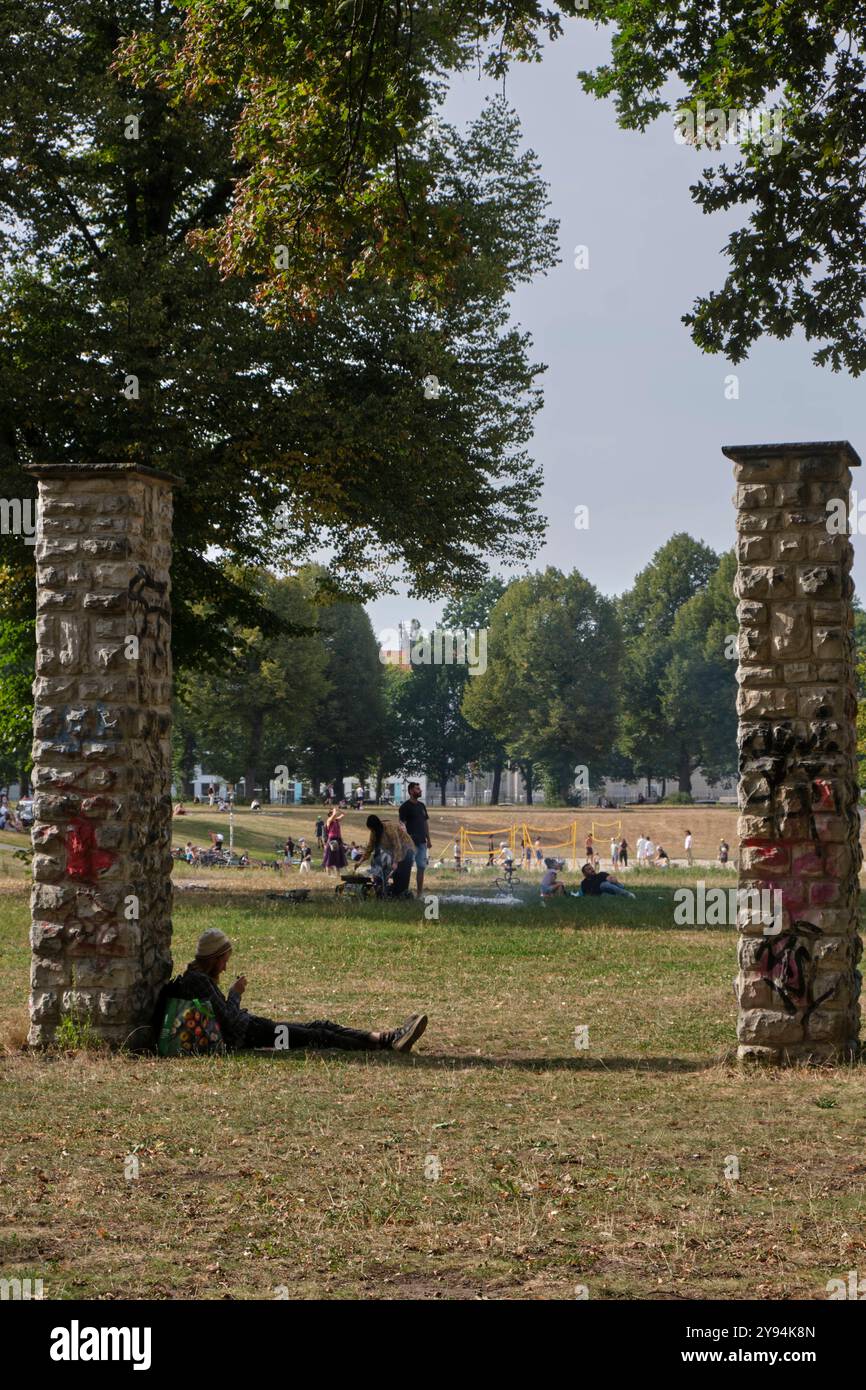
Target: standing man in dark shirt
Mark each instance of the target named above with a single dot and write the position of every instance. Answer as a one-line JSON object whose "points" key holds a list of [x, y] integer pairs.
{"points": [[413, 814]]}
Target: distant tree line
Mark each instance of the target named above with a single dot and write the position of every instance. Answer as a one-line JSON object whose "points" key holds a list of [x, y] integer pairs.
{"points": [[640, 686]]}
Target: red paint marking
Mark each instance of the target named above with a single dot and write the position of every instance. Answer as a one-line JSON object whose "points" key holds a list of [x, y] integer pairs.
{"points": [[825, 794], [84, 860], [772, 856]]}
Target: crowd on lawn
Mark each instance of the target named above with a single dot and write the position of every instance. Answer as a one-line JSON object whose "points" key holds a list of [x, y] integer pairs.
{"points": [[393, 848], [21, 818]]}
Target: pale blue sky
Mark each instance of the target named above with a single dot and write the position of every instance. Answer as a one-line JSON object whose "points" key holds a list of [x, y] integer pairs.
{"points": [[635, 416]]}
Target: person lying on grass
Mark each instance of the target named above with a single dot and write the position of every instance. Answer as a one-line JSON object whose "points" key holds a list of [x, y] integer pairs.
{"points": [[595, 883], [551, 886], [241, 1029]]}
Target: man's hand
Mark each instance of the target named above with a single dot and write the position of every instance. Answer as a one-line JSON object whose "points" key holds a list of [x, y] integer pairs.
{"points": [[240, 984]]}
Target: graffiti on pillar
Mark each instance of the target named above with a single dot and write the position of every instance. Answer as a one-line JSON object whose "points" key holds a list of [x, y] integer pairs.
{"points": [[775, 755], [85, 861], [787, 964], [141, 586]]}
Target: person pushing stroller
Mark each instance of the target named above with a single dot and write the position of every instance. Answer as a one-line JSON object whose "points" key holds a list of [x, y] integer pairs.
{"points": [[391, 852]]}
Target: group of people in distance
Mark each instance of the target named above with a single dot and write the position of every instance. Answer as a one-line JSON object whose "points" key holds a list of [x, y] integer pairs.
{"points": [[397, 846], [19, 819]]}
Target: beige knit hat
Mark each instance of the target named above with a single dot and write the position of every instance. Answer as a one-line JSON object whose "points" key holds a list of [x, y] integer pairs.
{"points": [[212, 943]]}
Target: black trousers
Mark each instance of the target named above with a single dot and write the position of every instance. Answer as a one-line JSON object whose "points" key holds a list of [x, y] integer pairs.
{"points": [[403, 873], [262, 1032]]}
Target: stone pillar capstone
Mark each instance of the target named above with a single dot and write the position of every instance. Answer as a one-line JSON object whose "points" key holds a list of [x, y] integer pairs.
{"points": [[798, 985], [101, 900]]}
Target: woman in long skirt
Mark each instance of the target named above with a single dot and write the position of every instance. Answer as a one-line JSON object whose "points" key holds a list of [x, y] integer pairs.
{"points": [[335, 850]]}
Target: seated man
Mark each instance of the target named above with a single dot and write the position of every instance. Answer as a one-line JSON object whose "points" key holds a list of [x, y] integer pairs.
{"points": [[662, 858], [551, 886], [390, 845], [241, 1029], [595, 883]]}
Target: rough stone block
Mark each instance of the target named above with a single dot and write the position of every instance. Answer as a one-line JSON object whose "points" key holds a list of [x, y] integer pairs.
{"points": [[790, 548], [768, 1028], [790, 630], [751, 550]]}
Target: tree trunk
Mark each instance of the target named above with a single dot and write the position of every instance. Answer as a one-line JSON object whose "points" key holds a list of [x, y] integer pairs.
{"points": [[254, 753], [443, 789], [664, 787], [685, 771], [649, 789], [526, 769], [497, 782], [187, 765]]}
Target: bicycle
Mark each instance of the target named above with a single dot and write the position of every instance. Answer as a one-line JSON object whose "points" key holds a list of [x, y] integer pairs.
{"points": [[509, 878]]}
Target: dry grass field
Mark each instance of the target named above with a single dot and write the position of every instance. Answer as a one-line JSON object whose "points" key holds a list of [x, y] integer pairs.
{"points": [[499, 1161], [259, 834]]}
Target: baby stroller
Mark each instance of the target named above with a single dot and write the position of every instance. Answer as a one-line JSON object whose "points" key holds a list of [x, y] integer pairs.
{"points": [[372, 884], [380, 871]]}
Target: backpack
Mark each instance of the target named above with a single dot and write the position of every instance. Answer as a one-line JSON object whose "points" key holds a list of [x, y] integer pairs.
{"points": [[189, 1029]]}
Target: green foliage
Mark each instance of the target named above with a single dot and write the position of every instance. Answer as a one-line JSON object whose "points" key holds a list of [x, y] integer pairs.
{"points": [[259, 709], [339, 167], [435, 735], [549, 694], [392, 752], [656, 738], [699, 687], [678, 799], [76, 1033], [316, 435], [339, 164], [346, 730], [797, 259], [17, 656]]}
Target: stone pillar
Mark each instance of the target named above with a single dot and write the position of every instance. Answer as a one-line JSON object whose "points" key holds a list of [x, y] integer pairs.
{"points": [[101, 903], [798, 985]]}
